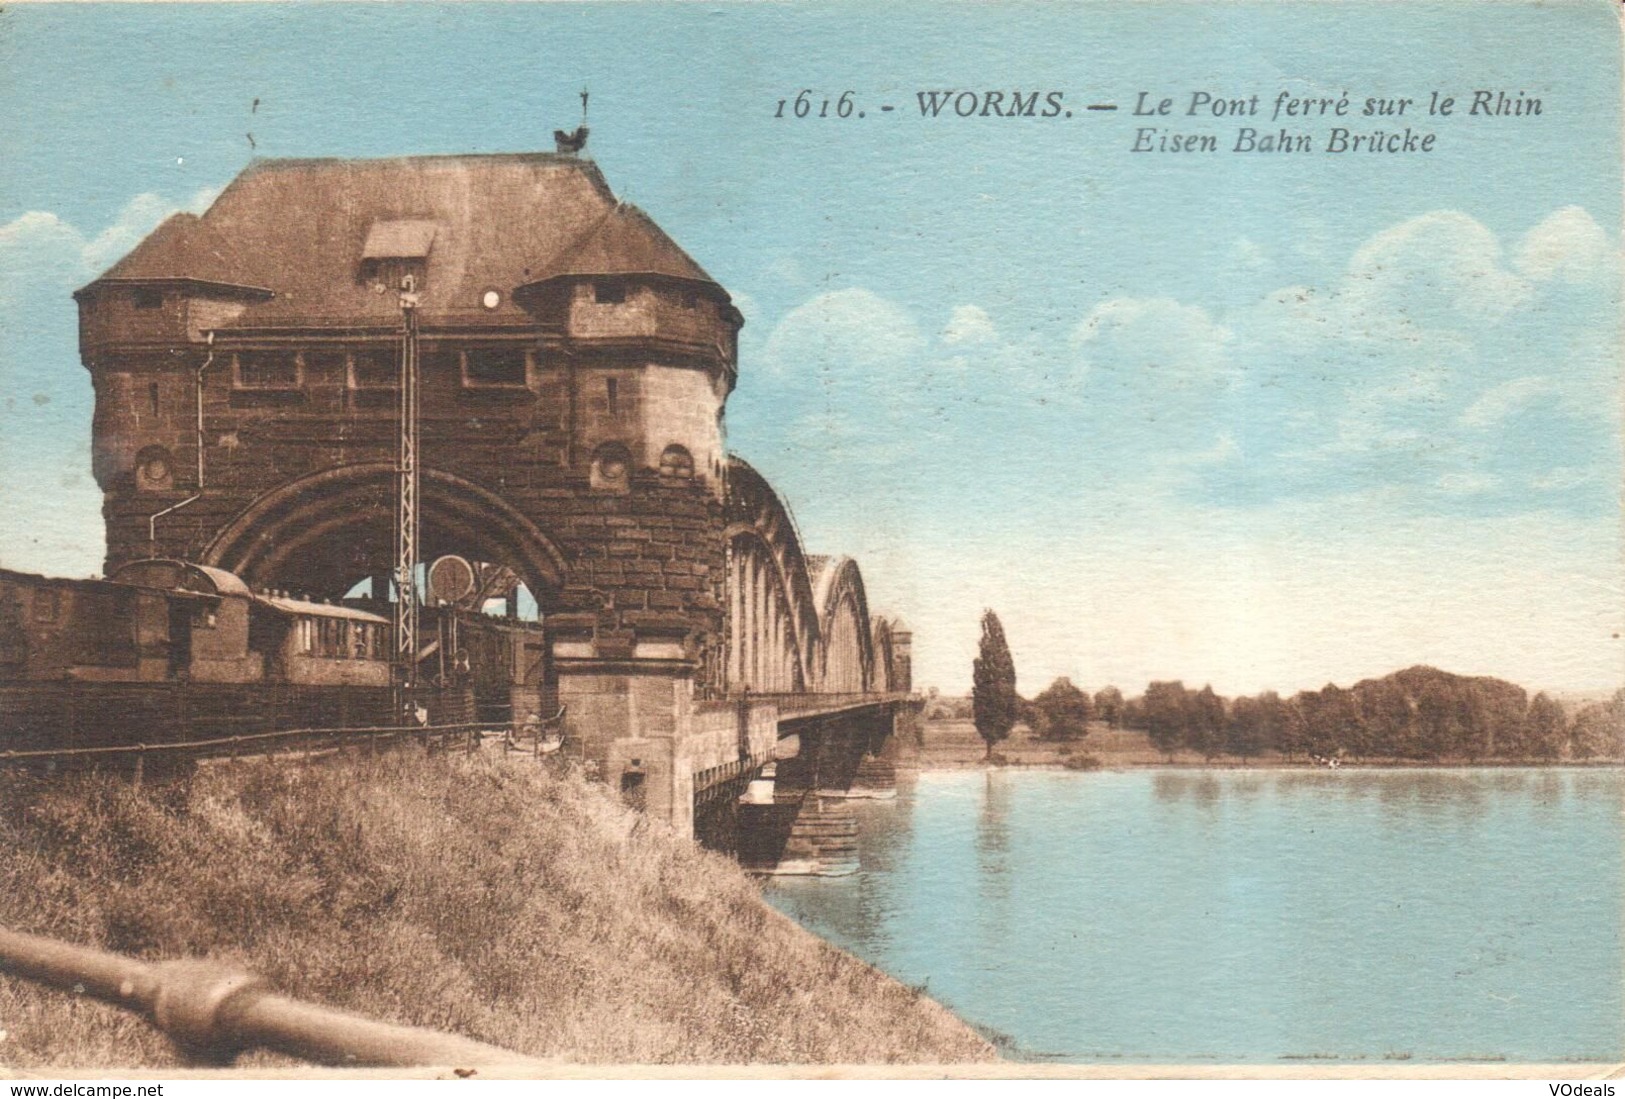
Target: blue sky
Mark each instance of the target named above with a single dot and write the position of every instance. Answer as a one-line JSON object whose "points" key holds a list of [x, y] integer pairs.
{"points": [[1262, 421]]}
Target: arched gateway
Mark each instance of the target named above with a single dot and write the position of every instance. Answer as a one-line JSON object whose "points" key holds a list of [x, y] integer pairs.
{"points": [[327, 531], [574, 363]]}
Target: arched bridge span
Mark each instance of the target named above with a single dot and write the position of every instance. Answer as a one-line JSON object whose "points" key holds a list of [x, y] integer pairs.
{"points": [[797, 624]]}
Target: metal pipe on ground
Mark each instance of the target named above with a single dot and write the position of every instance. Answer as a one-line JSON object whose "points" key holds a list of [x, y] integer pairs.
{"points": [[214, 1011]]}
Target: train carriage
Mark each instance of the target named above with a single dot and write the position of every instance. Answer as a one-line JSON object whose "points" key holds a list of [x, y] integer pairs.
{"points": [[166, 651]]}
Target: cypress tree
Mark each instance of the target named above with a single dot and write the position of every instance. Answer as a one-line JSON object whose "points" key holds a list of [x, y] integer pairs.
{"points": [[993, 677]]}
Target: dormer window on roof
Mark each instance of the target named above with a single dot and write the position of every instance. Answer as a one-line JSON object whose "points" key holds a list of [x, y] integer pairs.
{"points": [[395, 249]]}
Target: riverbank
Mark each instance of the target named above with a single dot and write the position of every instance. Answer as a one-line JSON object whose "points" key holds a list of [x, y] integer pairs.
{"points": [[472, 894], [954, 745]]}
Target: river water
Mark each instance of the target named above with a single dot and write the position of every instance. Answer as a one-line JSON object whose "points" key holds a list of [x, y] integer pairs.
{"points": [[1248, 916]]}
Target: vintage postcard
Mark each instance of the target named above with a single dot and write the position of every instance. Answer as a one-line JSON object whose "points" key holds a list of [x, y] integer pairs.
{"points": [[1040, 539]]}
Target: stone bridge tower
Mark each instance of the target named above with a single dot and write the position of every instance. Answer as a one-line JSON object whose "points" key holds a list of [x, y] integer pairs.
{"points": [[575, 364]]}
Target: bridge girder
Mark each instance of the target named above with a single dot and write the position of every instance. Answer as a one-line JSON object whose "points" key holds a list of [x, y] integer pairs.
{"points": [[796, 623]]}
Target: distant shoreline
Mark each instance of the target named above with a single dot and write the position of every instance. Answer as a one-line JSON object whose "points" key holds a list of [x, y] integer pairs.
{"points": [[954, 745], [923, 765]]}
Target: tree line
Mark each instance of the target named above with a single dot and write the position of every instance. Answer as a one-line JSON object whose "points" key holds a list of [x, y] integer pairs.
{"points": [[1420, 713]]}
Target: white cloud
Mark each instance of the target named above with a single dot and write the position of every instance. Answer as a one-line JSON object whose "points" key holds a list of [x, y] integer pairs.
{"points": [[1563, 478], [1154, 341], [1567, 245], [140, 216], [37, 224], [1428, 267], [39, 253], [1503, 400], [843, 330], [1468, 484], [1248, 255], [1242, 496], [970, 324], [40, 249], [1388, 378]]}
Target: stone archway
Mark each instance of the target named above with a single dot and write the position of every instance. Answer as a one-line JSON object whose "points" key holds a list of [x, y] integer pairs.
{"points": [[324, 532]]}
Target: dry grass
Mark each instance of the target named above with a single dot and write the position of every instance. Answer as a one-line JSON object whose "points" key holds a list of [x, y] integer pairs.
{"points": [[471, 894]]}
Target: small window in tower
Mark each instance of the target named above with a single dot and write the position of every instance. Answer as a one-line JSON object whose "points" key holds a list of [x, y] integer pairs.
{"points": [[267, 370], [634, 791], [612, 390], [495, 366], [609, 291], [148, 298], [397, 250], [154, 470], [152, 398], [611, 468], [676, 463], [47, 605], [689, 297], [390, 275]]}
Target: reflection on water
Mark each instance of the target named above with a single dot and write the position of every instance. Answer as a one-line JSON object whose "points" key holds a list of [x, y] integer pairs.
{"points": [[1249, 915], [993, 857]]}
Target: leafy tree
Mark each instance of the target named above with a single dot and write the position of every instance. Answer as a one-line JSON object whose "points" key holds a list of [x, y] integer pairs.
{"points": [[1292, 736], [1166, 714], [1027, 714], [1503, 709], [994, 702], [1544, 729], [1599, 729], [1109, 706], [1248, 731], [1061, 711], [1385, 712], [1329, 719], [1204, 729], [1443, 718]]}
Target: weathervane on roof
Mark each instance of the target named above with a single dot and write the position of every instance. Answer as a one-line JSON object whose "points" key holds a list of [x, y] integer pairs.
{"points": [[574, 143]]}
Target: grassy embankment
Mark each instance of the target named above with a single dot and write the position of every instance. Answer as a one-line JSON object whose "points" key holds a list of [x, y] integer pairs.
{"points": [[471, 894]]}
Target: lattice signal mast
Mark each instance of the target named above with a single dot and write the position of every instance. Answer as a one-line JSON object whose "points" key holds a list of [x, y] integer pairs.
{"points": [[407, 519]]}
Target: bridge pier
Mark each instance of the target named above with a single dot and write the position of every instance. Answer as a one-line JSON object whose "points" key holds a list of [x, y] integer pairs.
{"points": [[768, 778], [799, 833], [857, 755], [876, 777], [628, 713], [804, 823]]}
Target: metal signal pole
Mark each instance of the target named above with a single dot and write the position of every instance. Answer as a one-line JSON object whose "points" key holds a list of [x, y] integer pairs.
{"points": [[407, 522]]}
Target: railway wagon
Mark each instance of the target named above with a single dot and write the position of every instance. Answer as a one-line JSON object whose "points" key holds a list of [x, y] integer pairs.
{"points": [[166, 651]]}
